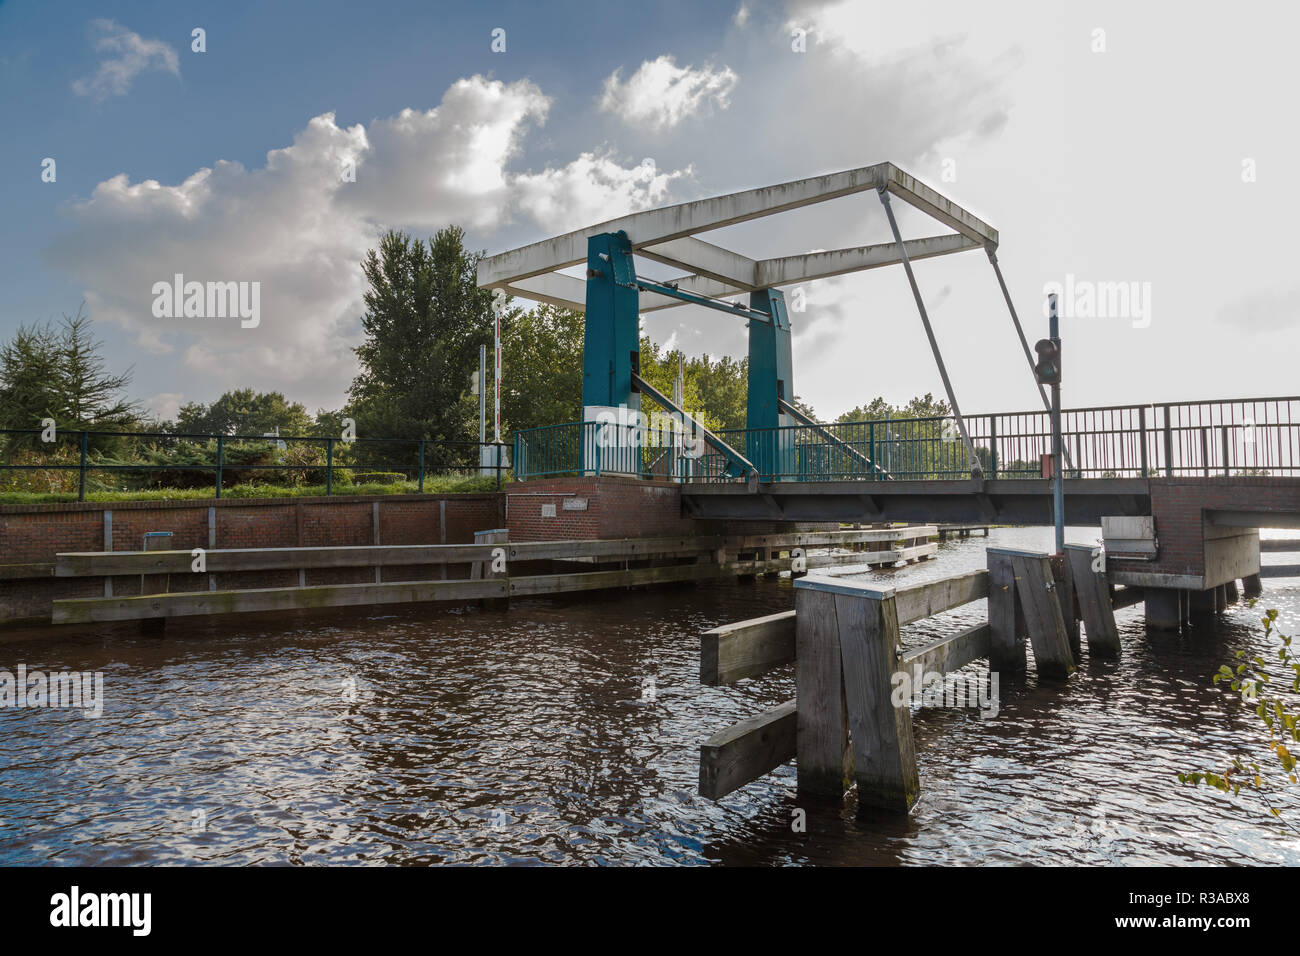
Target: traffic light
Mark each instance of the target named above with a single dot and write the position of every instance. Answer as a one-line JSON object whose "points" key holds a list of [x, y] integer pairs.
{"points": [[1048, 369]]}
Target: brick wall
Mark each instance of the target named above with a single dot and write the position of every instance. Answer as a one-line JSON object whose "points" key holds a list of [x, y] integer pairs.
{"points": [[1178, 506], [605, 507], [614, 507], [34, 534]]}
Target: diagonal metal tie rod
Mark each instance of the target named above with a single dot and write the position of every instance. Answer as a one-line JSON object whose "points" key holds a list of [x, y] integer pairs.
{"points": [[975, 469], [1024, 342]]}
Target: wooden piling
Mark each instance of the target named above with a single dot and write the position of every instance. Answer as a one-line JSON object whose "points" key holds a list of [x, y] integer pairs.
{"points": [[824, 760], [1251, 586], [884, 753], [847, 655], [1065, 597], [1006, 622], [1092, 592], [1230, 590], [1034, 591]]}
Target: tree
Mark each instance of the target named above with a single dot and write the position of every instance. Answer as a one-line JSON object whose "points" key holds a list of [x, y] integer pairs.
{"points": [[59, 373], [90, 396], [425, 319], [804, 408], [926, 406], [328, 424], [715, 391], [541, 368], [28, 377], [913, 444], [244, 412]]}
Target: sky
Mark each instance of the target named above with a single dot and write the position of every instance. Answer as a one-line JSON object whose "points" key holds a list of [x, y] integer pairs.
{"points": [[1144, 148]]}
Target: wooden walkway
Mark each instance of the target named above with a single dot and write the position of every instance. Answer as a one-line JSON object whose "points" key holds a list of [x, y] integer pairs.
{"points": [[581, 566]]}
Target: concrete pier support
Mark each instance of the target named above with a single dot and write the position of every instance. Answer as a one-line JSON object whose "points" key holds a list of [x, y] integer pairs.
{"points": [[1251, 586], [1230, 589], [1202, 602], [1164, 608]]}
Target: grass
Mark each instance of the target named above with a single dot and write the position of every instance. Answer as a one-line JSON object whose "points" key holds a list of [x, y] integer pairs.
{"points": [[456, 483]]}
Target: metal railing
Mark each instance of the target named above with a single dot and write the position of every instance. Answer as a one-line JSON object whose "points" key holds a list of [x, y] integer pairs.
{"points": [[1253, 436], [598, 448], [226, 459]]}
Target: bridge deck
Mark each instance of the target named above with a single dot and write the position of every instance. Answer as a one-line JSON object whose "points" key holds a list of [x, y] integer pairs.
{"points": [[997, 501]]}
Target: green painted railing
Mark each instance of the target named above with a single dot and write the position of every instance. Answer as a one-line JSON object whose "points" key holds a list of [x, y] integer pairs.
{"points": [[1189, 439]]}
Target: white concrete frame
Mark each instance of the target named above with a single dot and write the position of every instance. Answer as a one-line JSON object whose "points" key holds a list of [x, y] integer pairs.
{"points": [[668, 236]]}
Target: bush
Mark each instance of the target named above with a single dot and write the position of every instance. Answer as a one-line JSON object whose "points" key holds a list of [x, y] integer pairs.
{"points": [[377, 477]]}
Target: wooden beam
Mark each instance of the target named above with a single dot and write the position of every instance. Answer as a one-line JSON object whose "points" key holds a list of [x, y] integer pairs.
{"points": [[934, 597], [1006, 625], [108, 563], [1092, 591], [824, 758], [1042, 613], [947, 654], [733, 652], [813, 539], [745, 751], [194, 603], [1279, 571], [1279, 544], [19, 572], [884, 753]]}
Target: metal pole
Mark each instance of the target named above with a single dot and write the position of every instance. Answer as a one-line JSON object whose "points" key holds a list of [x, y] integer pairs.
{"points": [[482, 404], [482, 394], [81, 482], [496, 381], [421, 466], [329, 466], [993, 446], [1058, 479], [975, 469], [220, 454], [1169, 445], [1142, 431], [1020, 331]]}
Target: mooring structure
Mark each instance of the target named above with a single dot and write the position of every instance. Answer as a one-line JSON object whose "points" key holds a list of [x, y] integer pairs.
{"points": [[847, 724]]}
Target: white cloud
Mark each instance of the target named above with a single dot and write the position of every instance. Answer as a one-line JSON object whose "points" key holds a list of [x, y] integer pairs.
{"points": [[447, 164], [129, 55], [591, 189], [662, 94], [1266, 310], [299, 229], [164, 406]]}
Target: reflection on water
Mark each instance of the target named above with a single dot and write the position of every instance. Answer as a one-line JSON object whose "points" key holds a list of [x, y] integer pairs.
{"points": [[428, 735]]}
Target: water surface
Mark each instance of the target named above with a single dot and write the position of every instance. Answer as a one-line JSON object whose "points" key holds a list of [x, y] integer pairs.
{"points": [[427, 735]]}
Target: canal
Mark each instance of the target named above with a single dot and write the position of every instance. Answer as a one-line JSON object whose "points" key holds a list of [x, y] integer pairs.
{"points": [[567, 730]]}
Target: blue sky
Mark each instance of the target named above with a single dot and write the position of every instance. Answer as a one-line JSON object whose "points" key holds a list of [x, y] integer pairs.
{"points": [[1118, 164]]}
